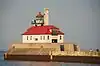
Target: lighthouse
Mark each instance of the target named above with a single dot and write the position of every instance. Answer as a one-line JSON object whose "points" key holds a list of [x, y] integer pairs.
{"points": [[44, 42], [41, 31]]}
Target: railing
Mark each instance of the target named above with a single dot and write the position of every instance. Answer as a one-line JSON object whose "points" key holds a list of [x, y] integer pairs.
{"points": [[75, 53]]}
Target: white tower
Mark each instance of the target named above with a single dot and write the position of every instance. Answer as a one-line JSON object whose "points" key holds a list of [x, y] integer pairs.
{"points": [[46, 16]]}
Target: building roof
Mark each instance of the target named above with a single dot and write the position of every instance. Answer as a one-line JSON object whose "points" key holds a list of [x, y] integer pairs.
{"points": [[38, 30]]}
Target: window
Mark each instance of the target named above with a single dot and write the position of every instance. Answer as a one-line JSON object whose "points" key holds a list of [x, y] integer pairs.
{"points": [[41, 37], [36, 39], [48, 37], [60, 37], [54, 41], [44, 37], [27, 37], [35, 24], [30, 37]]}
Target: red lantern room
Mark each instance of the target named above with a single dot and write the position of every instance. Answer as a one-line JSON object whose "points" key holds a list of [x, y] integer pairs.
{"points": [[39, 21], [39, 15]]}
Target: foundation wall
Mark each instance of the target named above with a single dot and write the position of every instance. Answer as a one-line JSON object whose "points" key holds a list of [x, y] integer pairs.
{"points": [[67, 47], [37, 46]]}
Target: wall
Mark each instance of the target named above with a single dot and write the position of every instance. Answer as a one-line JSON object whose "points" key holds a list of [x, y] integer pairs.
{"points": [[57, 46], [75, 53], [62, 40], [24, 38], [78, 48], [67, 47]]}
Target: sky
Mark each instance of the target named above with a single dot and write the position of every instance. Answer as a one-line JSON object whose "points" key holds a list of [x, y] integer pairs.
{"points": [[78, 19]]}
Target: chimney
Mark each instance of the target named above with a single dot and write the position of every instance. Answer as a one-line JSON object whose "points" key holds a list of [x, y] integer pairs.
{"points": [[46, 16]]}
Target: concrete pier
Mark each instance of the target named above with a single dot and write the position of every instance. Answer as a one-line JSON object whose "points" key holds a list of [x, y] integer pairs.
{"points": [[45, 54]]}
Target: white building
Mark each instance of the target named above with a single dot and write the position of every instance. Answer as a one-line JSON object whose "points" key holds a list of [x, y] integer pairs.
{"points": [[41, 32]]}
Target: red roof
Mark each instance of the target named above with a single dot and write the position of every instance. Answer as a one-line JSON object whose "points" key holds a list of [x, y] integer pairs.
{"points": [[37, 30]]}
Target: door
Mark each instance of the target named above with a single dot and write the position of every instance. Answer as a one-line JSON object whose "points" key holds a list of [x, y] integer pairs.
{"points": [[61, 47], [54, 40]]}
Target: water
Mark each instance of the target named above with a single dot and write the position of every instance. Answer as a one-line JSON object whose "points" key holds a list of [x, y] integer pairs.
{"points": [[28, 63]]}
